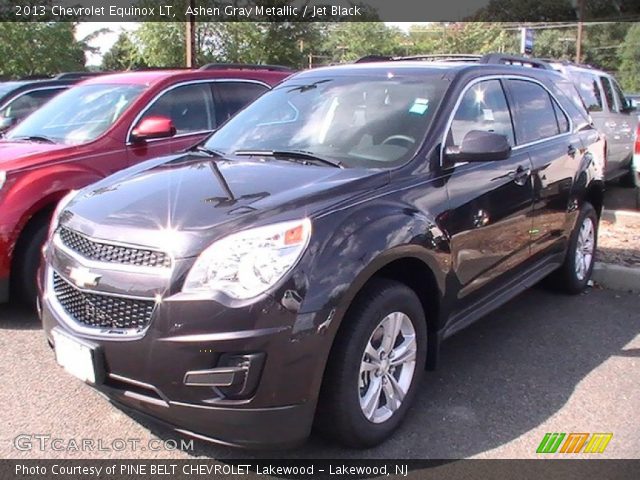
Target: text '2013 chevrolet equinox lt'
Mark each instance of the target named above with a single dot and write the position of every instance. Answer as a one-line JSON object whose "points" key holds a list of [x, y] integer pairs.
{"points": [[306, 261]]}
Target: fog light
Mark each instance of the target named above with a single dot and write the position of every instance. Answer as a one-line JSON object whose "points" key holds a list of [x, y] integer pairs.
{"points": [[236, 375]]}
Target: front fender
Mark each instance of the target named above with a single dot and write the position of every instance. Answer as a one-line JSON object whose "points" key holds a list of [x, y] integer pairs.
{"points": [[366, 239], [34, 191]]}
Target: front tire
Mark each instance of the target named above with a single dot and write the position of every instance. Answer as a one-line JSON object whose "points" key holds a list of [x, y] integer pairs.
{"points": [[574, 275], [375, 366], [27, 260]]}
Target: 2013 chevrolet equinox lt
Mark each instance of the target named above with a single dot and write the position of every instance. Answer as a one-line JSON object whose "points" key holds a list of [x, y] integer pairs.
{"points": [[306, 261]]}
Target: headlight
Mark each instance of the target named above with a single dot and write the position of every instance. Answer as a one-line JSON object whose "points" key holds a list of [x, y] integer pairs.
{"points": [[55, 221], [246, 264], [3, 178]]}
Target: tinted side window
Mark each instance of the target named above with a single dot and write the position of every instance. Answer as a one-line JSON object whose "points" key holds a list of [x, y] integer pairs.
{"points": [[190, 107], [483, 107], [589, 90], [622, 100], [563, 121], [25, 104], [573, 104], [236, 95], [533, 112], [608, 94]]}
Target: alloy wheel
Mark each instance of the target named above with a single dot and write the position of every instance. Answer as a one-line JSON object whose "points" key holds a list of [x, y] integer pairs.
{"points": [[387, 367], [585, 247]]}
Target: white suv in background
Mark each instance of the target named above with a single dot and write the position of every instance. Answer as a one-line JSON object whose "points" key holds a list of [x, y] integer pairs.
{"points": [[613, 114]]}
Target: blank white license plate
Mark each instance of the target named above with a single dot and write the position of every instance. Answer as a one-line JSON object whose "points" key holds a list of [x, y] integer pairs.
{"points": [[74, 356]]}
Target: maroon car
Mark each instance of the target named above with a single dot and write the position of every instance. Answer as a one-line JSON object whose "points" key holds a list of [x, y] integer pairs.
{"points": [[101, 126]]}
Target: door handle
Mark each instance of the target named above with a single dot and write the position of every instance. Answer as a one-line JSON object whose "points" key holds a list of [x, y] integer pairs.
{"points": [[520, 175]]}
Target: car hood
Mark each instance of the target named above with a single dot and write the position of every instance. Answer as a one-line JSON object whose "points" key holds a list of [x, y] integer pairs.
{"points": [[12, 151], [185, 202]]}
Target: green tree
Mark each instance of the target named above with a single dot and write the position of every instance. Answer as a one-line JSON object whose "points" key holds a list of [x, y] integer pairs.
{"points": [[123, 55], [161, 44], [351, 40], [629, 56], [40, 49]]}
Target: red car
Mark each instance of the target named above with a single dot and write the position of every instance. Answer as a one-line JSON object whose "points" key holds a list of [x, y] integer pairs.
{"points": [[103, 125]]}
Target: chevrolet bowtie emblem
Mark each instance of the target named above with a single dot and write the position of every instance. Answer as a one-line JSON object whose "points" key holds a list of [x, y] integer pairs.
{"points": [[83, 277]]}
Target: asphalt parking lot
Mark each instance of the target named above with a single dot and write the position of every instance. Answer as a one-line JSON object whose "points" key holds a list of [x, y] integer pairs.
{"points": [[542, 363]]}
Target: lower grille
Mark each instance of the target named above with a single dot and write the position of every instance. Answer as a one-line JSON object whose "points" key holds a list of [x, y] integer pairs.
{"points": [[102, 311]]}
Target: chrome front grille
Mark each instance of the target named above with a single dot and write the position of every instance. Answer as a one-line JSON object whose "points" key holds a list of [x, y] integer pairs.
{"points": [[102, 311], [108, 253]]}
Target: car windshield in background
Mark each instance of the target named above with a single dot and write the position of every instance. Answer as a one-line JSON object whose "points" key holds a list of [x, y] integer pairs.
{"points": [[357, 122], [6, 87], [78, 115]]}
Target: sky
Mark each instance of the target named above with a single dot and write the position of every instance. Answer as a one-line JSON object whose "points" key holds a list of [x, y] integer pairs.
{"points": [[106, 40]]}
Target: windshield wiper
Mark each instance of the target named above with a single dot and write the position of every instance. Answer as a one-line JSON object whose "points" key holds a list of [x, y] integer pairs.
{"points": [[33, 138], [207, 151], [309, 86], [294, 155]]}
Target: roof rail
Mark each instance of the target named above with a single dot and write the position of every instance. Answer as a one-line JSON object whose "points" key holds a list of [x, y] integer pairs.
{"points": [[436, 57], [501, 58], [245, 66], [374, 58], [35, 77], [491, 58], [75, 75]]}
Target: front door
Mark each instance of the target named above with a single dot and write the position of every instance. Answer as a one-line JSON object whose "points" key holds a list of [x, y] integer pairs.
{"points": [[490, 203], [190, 108]]}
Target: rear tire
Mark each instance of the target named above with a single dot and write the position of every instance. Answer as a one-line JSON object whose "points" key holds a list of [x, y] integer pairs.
{"points": [[375, 366], [27, 260], [628, 179], [574, 274]]}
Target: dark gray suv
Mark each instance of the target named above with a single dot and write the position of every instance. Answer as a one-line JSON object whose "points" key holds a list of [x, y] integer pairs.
{"points": [[306, 261]]}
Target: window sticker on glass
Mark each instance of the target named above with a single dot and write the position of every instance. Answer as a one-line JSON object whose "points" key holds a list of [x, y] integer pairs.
{"points": [[420, 106], [487, 114]]}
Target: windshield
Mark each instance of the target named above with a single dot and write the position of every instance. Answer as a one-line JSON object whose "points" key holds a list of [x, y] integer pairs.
{"points": [[357, 121], [79, 115]]}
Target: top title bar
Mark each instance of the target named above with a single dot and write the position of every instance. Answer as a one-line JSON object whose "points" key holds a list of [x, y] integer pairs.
{"points": [[319, 10]]}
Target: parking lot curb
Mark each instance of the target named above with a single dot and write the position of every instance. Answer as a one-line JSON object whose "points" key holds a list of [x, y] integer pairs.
{"points": [[622, 217], [617, 277]]}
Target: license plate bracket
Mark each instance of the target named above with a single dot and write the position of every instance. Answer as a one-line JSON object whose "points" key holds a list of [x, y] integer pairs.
{"points": [[80, 358]]}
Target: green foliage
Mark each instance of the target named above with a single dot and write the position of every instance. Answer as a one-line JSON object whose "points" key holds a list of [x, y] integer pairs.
{"points": [[123, 55], [39, 49], [525, 10], [349, 41], [161, 44], [555, 43], [630, 60]]}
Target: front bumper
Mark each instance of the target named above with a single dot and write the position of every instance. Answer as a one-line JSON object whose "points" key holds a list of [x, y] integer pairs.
{"points": [[147, 373]]}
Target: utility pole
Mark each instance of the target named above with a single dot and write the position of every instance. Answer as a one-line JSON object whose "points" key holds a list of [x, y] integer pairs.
{"points": [[580, 28], [190, 37]]}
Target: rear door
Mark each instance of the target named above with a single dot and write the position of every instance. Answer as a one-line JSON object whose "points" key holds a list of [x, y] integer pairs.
{"points": [[233, 96], [543, 129], [490, 202], [627, 119]]}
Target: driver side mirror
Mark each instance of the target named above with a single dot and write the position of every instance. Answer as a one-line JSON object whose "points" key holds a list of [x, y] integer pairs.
{"points": [[153, 127], [479, 146]]}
